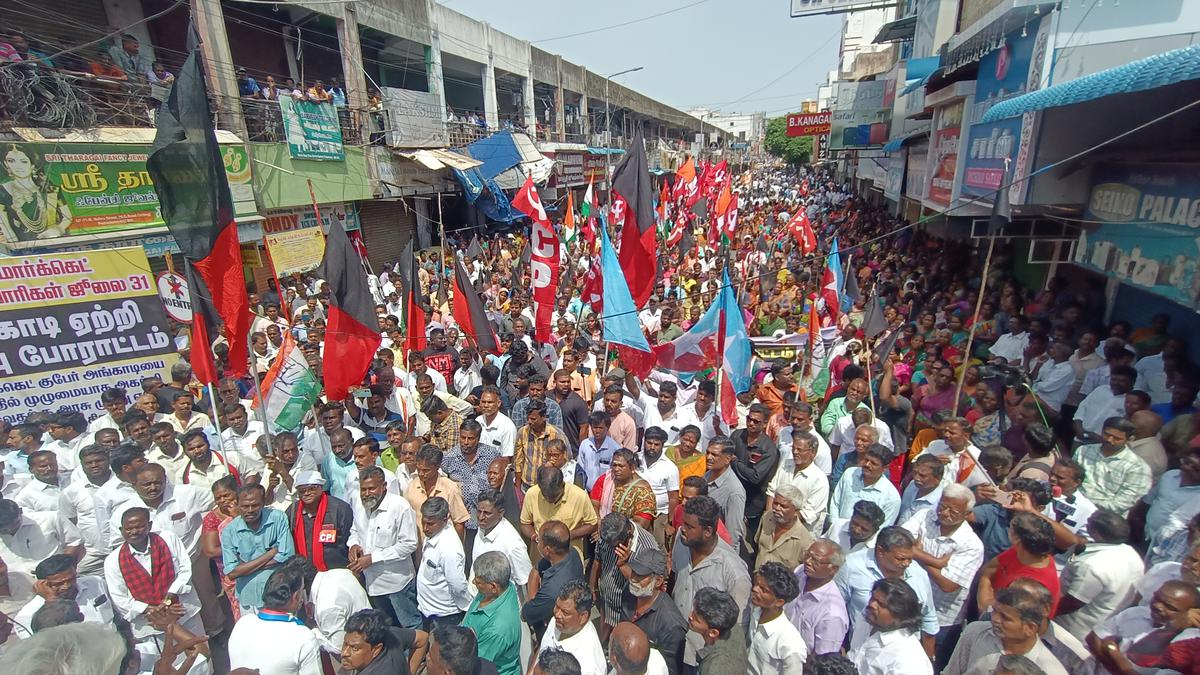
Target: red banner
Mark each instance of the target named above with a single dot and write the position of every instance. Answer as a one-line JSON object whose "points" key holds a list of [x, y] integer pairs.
{"points": [[809, 124], [544, 261]]}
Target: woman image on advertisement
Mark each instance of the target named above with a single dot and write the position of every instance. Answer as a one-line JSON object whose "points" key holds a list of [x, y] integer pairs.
{"points": [[30, 207]]}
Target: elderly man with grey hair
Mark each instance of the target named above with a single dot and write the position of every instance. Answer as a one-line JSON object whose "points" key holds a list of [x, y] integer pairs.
{"points": [[951, 554], [495, 613], [783, 536], [820, 611], [803, 474]]}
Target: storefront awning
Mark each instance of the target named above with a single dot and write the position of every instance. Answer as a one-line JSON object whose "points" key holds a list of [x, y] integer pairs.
{"points": [[920, 82], [896, 144], [1160, 70], [438, 159], [898, 30]]}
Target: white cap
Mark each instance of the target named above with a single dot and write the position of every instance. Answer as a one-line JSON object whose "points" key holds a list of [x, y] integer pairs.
{"points": [[308, 478]]}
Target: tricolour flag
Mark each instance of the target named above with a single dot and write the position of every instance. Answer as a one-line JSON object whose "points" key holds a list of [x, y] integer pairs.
{"points": [[193, 193], [568, 222], [289, 389]]}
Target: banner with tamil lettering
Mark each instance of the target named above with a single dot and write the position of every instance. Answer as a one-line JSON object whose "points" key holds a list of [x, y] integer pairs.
{"points": [[296, 251], [50, 190], [312, 130], [73, 324]]}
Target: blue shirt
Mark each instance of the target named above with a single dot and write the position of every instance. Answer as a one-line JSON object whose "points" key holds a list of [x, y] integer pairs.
{"points": [[594, 461], [991, 524], [240, 544], [248, 87], [1167, 411], [553, 412], [858, 576], [910, 503], [850, 489], [335, 472]]}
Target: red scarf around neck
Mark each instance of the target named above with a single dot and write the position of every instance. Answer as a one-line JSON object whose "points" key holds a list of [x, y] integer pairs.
{"points": [[148, 587], [301, 536]]}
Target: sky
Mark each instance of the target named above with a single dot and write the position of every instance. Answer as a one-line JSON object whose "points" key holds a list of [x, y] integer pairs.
{"points": [[722, 54]]}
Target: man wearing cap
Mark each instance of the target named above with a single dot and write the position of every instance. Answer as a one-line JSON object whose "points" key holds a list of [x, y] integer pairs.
{"points": [[246, 84], [320, 523], [646, 606]]}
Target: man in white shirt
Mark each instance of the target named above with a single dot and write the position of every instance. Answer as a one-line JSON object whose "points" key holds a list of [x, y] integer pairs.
{"points": [[273, 640], [178, 509], [58, 580], [661, 411], [1103, 403], [950, 553], [842, 436], [335, 595], [166, 450], [704, 410], [805, 477], [40, 495], [115, 402], [663, 476], [631, 654], [149, 578], [894, 645], [1010, 347], [69, 431], [382, 543], [26, 539], [498, 430], [575, 632], [496, 533], [206, 466], [77, 505], [1101, 579], [801, 419], [442, 595], [1055, 377], [239, 436], [776, 645], [314, 441]]}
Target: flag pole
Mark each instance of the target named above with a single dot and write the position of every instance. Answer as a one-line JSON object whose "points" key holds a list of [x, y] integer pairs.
{"points": [[987, 263], [258, 395], [212, 403], [442, 250]]}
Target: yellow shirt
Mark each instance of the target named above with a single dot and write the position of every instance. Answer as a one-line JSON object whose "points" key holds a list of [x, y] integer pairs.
{"points": [[573, 510], [444, 488]]}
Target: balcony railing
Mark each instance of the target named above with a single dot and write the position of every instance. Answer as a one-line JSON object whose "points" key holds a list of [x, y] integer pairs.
{"points": [[264, 122], [35, 96]]}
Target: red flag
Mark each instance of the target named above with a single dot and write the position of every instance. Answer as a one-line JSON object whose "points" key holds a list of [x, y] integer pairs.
{"points": [[528, 202], [544, 260], [593, 288], [663, 203], [802, 231], [685, 187], [352, 337], [193, 190], [469, 312], [414, 305], [720, 214], [633, 215], [830, 293]]}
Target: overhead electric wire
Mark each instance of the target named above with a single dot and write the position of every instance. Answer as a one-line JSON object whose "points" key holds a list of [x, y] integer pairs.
{"points": [[620, 25]]}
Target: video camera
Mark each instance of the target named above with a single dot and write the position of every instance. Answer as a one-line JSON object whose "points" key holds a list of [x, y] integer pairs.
{"points": [[1009, 376]]}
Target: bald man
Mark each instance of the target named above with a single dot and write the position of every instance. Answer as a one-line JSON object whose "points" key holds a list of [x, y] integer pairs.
{"points": [[629, 652], [1142, 630], [1145, 442]]}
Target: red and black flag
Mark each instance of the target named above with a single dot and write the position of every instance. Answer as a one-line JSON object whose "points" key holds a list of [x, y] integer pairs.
{"points": [[352, 329], [632, 212], [189, 176], [470, 314], [414, 302]]}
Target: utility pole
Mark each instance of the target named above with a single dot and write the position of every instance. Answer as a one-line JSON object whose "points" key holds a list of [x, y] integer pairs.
{"points": [[608, 130]]}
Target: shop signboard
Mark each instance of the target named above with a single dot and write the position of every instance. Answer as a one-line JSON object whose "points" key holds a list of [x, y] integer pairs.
{"points": [[1149, 232], [895, 176], [862, 116], [299, 219], [918, 167], [416, 119], [296, 250], [569, 168], [75, 324], [52, 190], [809, 124], [312, 130], [1012, 70], [594, 168], [814, 7], [945, 141]]}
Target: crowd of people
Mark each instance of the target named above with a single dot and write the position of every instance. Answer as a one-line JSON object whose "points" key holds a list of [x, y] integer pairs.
{"points": [[954, 474]]}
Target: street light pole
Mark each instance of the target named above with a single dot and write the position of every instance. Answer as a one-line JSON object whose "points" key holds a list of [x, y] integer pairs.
{"points": [[608, 131]]}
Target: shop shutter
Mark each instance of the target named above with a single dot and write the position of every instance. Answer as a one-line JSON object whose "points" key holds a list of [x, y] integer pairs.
{"points": [[386, 228]]}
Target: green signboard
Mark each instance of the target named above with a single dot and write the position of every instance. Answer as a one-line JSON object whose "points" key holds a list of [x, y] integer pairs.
{"points": [[51, 190], [312, 130]]}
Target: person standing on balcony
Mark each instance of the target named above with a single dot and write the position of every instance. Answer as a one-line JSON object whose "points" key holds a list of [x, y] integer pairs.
{"points": [[319, 94], [247, 86], [337, 93], [127, 55]]}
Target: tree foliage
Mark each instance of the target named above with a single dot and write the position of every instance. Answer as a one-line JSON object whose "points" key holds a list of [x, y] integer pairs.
{"points": [[791, 149]]}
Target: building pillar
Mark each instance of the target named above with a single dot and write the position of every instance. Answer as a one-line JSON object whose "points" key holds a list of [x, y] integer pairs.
{"points": [[560, 119], [529, 103], [437, 83], [218, 62], [585, 120], [491, 108]]}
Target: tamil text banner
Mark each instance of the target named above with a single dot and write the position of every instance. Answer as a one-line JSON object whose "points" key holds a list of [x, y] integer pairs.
{"points": [[297, 250], [312, 130], [74, 324]]}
